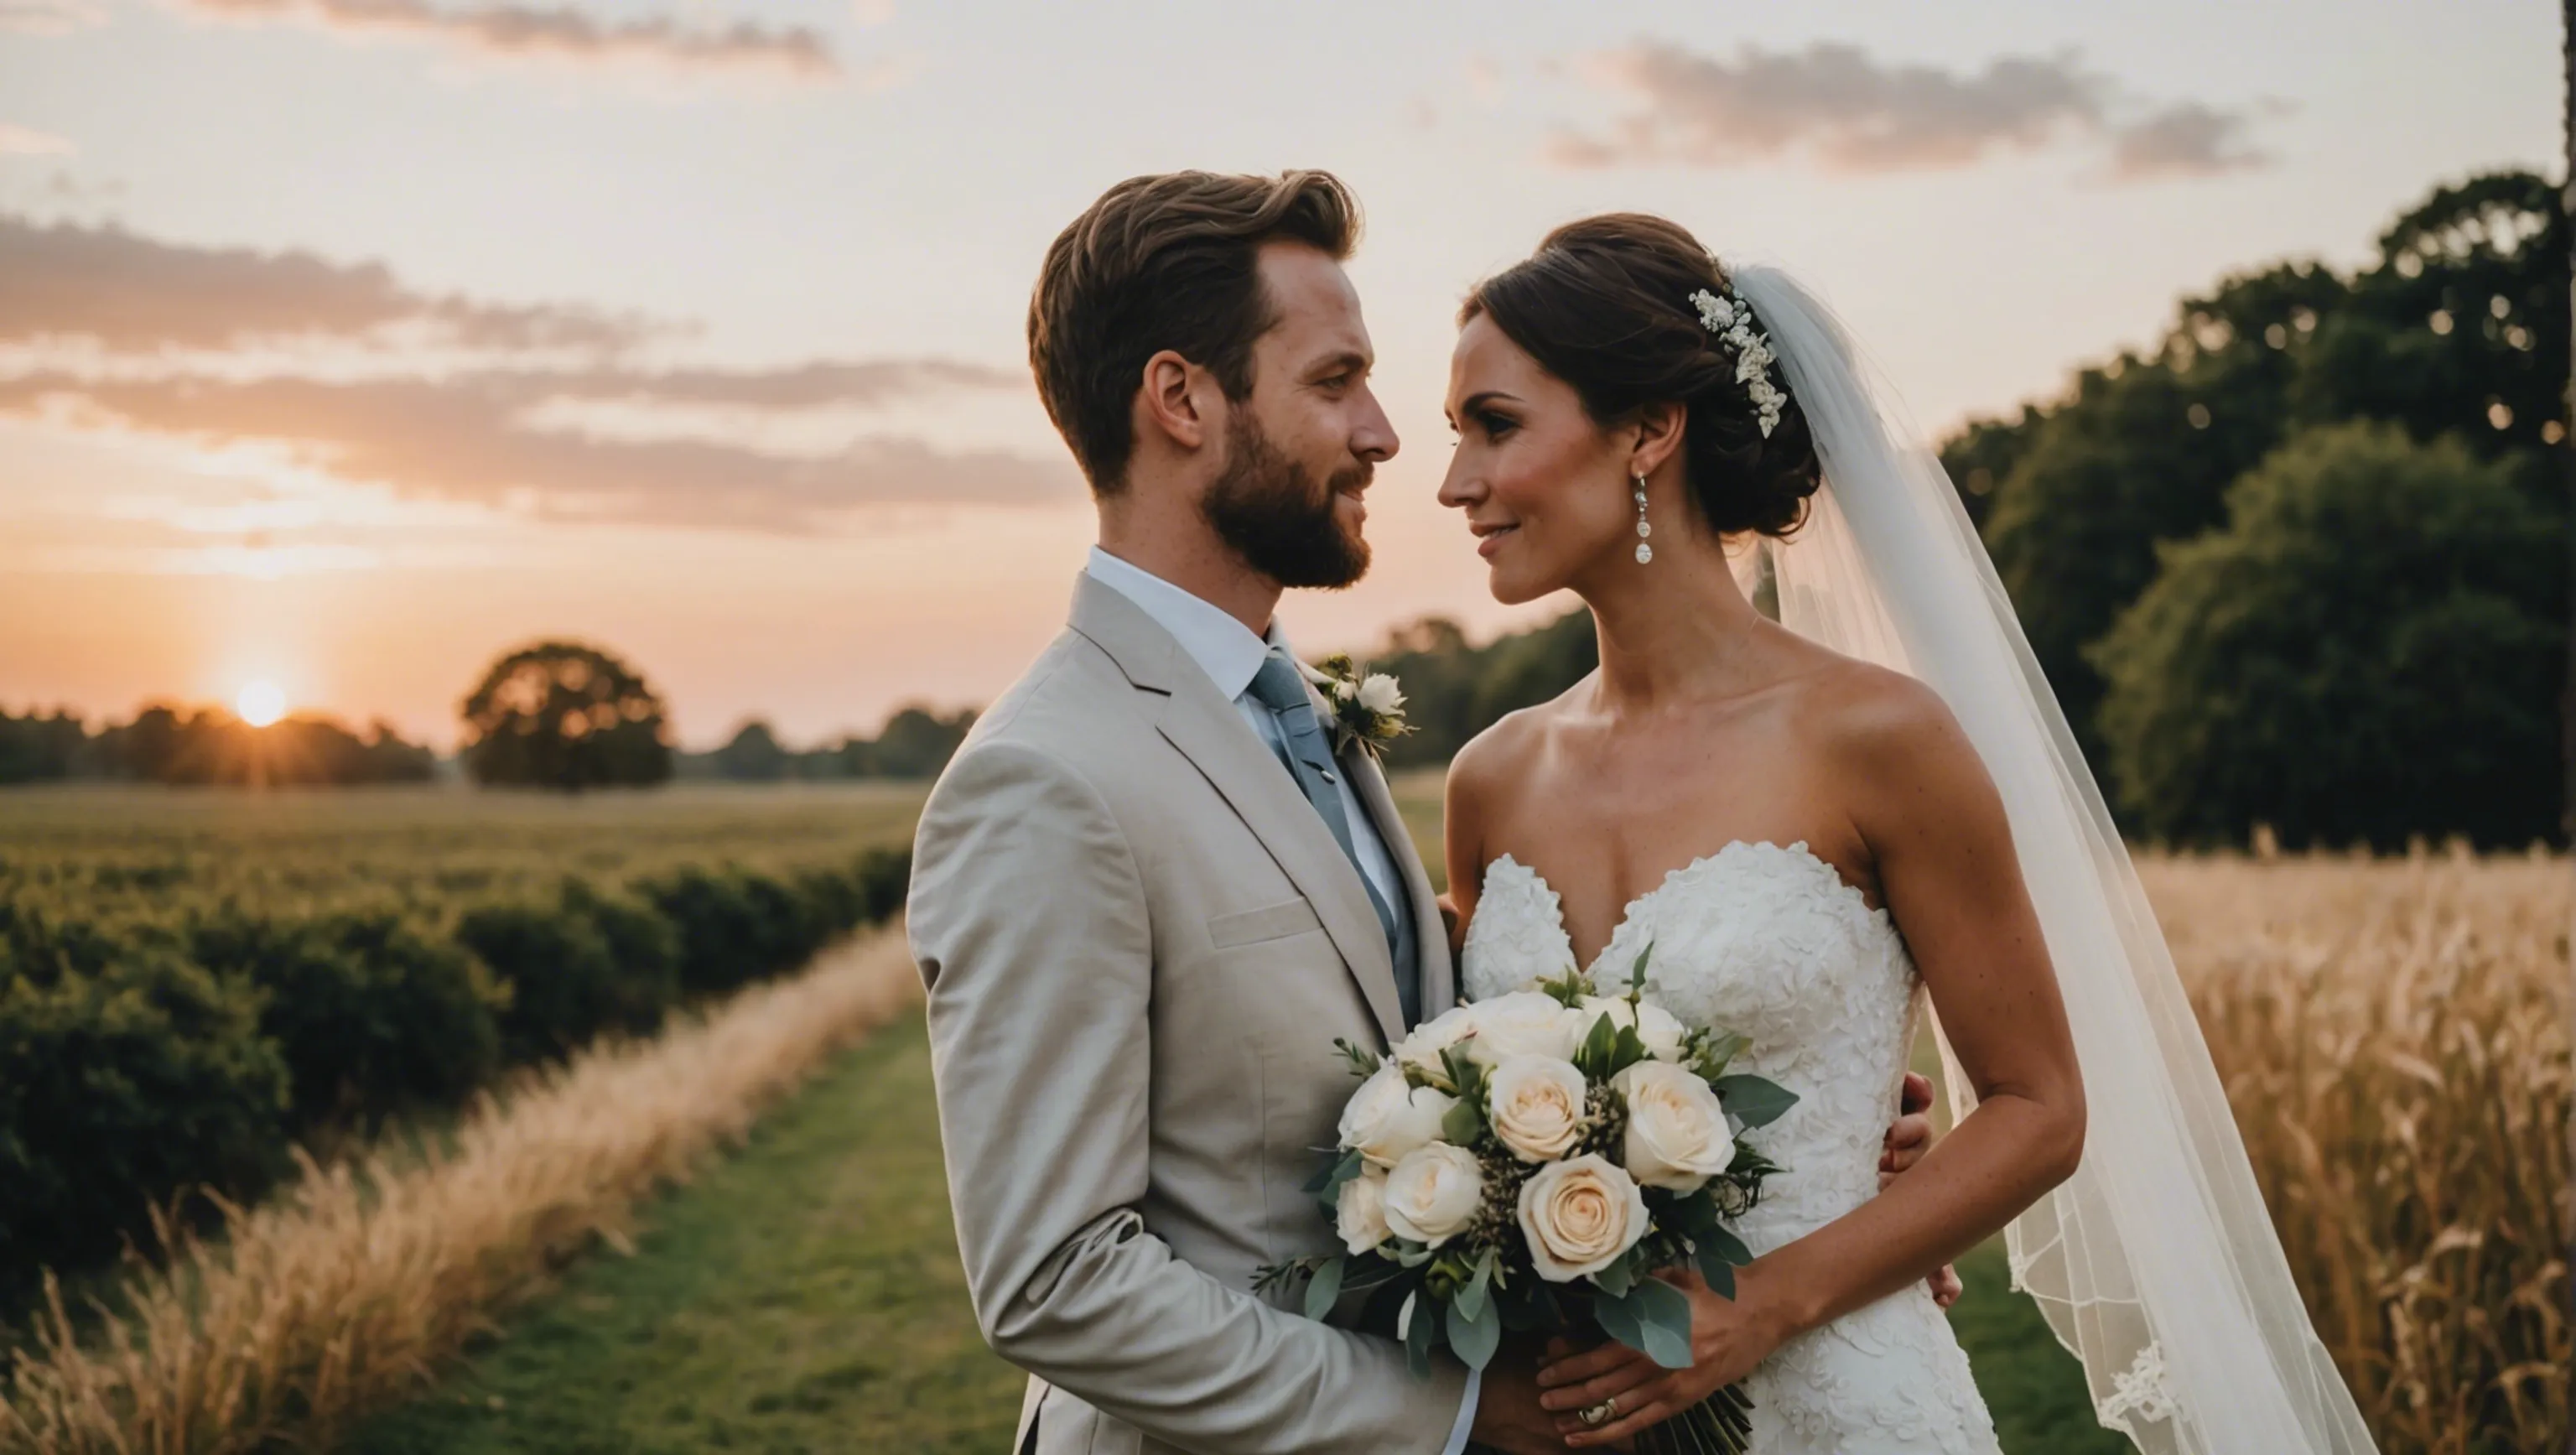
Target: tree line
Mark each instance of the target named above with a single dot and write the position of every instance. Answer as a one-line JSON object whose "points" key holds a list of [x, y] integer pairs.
{"points": [[207, 746], [558, 715]]}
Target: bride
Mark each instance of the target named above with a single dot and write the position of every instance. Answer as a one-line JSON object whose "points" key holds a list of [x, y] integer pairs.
{"points": [[1818, 817]]}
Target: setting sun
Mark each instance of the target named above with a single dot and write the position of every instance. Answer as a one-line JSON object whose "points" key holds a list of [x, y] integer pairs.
{"points": [[260, 703]]}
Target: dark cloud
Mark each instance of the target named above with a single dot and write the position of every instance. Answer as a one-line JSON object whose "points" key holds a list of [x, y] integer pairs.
{"points": [[559, 34], [468, 439], [131, 294], [1853, 113]]}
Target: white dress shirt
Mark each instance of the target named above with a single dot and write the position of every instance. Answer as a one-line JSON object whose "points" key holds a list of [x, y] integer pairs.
{"points": [[1230, 655]]}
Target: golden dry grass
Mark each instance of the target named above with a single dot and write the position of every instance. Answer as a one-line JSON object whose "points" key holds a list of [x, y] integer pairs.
{"points": [[347, 1294], [2394, 1039]]}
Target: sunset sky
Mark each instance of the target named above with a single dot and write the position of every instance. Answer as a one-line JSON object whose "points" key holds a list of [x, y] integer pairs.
{"points": [[349, 343]]}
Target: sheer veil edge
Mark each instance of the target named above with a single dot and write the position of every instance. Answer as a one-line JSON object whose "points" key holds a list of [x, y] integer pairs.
{"points": [[2156, 1263]]}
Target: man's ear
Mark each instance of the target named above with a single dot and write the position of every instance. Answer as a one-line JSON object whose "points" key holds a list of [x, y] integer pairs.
{"points": [[1659, 434], [1170, 400]]}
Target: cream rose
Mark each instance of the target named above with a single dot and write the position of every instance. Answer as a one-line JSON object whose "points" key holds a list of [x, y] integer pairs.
{"points": [[1535, 1105], [1423, 1047], [1359, 1212], [1523, 1023], [1385, 1118], [1433, 1193], [1656, 1026], [1580, 1216], [1379, 694], [1677, 1133]]}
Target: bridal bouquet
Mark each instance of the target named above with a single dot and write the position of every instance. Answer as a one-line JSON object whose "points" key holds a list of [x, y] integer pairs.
{"points": [[1528, 1163]]}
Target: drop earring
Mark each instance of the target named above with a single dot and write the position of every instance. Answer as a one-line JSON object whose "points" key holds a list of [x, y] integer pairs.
{"points": [[1645, 552]]}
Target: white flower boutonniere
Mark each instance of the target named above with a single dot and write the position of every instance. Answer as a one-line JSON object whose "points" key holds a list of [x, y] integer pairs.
{"points": [[1368, 707]]}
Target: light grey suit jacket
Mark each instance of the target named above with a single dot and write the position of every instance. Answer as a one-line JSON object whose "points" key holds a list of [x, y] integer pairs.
{"points": [[1140, 942]]}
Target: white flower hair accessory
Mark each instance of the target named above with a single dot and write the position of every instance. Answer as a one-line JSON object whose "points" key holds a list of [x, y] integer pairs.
{"points": [[1732, 320]]}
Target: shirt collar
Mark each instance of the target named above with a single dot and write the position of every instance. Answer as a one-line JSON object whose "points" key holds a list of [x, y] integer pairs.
{"points": [[1225, 650]]}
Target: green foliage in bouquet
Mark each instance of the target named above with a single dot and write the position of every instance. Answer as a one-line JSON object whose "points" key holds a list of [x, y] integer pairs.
{"points": [[1483, 1277]]}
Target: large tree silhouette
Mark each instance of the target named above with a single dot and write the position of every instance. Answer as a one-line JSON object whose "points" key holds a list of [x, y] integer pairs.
{"points": [[565, 716]]}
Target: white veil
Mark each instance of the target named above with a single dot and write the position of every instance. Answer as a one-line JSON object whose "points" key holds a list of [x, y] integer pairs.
{"points": [[2156, 1262]]}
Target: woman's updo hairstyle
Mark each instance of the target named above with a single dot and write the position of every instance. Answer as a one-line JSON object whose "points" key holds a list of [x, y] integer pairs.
{"points": [[1605, 305]]}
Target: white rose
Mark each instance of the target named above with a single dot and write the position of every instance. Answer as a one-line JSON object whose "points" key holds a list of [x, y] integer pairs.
{"points": [[1535, 1105], [1380, 695], [1524, 1023], [1657, 1027], [1677, 1133], [1343, 691], [1580, 1216], [1433, 1193], [1423, 1047], [1385, 1118], [1359, 1214]]}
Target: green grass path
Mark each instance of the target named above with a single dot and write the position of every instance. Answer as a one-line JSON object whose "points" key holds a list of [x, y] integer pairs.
{"points": [[805, 1296]]}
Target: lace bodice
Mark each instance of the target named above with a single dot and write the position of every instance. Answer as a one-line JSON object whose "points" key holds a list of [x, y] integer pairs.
{"points": [[1767, 940]]}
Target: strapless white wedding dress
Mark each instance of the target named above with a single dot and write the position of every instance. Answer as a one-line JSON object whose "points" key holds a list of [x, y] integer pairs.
{"points": [[1769, 941]]}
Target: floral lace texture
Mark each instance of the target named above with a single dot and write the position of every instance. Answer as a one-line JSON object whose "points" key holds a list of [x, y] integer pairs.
{"points": [[1768, 940]]}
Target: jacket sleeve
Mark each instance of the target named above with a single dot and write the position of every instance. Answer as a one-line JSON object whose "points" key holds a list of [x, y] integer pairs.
{"points": [[1030, 923]]}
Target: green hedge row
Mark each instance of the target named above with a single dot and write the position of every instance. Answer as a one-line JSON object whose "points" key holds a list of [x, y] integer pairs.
{"points": [[144, 1059]]}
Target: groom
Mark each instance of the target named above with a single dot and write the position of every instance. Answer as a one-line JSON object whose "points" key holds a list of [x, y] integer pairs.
{"points": [[1148, 895]]}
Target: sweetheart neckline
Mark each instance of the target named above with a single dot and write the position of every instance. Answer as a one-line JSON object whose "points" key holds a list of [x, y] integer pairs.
{"points": [[1794, 851]]}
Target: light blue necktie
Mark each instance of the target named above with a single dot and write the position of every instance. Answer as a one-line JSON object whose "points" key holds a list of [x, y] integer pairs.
{"points": [[1308, 755]]}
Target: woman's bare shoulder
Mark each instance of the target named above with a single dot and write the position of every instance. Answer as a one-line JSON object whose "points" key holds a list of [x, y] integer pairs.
{"points": [[1504, 751]]}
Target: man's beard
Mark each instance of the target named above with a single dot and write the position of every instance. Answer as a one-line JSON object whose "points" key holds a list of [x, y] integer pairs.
{"points": [[1270, 511]]}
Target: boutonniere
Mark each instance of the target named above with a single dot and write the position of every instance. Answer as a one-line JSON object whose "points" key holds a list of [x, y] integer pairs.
{"points": [[1368, 707]]}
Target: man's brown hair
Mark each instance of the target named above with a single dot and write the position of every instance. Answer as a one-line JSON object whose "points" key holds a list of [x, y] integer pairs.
{"points": [[1165, 262]]}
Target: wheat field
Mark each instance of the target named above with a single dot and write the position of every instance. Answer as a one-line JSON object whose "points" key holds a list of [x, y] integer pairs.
{"points": [[2394, 1039]]}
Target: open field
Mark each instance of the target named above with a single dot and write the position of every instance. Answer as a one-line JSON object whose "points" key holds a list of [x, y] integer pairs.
{"points": [[138, 848], [2393, 1035]]}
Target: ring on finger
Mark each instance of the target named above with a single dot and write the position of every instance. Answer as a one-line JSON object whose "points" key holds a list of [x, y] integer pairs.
{"points": [[1597, 1415]]}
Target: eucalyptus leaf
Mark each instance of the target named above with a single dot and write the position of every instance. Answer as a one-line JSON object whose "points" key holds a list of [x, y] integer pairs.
{"points": [[1716, 1272], [1421, 1334], [1325, 1289], [1726, 1245], [1620, 1321], [1664, 1321], [1476, 1293], [1691, 1216], [1616, 1279], [1475, 1335], [1752, 1100]]}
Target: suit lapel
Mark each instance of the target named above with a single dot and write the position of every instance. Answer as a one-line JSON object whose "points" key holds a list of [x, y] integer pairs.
{"points": [[1187, 710], [1430, 932]]}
